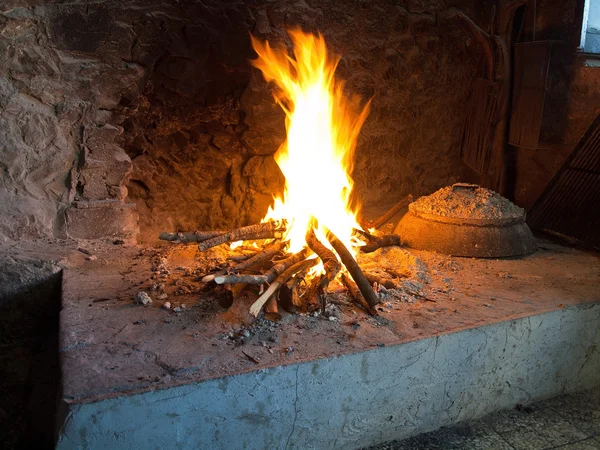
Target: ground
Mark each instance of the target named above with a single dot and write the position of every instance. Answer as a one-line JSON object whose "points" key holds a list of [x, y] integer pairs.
{"points": [[569, 422]]}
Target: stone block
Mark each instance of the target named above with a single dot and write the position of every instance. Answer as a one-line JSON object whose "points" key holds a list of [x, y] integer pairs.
{"points": [[96, 220]]}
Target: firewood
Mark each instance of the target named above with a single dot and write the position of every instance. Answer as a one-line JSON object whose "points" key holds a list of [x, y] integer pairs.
{"points": [[266, 230], [235, 279], [392, 212], [196, 236], [268, 277], [272, 310], [285, 275], [354, 269], [385, 282], [356, 295], [330, 262], [258, 257], [377, 242]]}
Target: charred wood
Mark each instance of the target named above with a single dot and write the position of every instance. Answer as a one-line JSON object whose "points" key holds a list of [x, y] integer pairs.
{"points": [[357, 296], [392, 211], [330, 262], [377, 242], [266, 230], [258, 257], [196, 236], [301, 264], [354, 269]]}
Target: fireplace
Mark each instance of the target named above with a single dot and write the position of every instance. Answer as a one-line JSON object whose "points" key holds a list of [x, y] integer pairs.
{"points": [[155, 166]]}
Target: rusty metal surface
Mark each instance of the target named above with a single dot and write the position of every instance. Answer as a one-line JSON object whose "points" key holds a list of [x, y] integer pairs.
{"points": [[570, 205], [531, 63]]}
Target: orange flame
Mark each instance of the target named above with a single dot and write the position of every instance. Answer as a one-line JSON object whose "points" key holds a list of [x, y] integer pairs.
{"points": [[322, 128]]}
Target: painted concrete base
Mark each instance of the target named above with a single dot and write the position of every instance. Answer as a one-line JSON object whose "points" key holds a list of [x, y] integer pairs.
{"points": [[356, 400]]}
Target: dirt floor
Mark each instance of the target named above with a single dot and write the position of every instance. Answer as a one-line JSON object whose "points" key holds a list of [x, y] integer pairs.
{"points": [[109, 344]]}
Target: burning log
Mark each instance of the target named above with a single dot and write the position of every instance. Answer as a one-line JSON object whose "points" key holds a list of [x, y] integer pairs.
{"points": [[268, 277], [354, 269], [265, 230], [301, 264], [356, 295], [196, 236], [330, 263], [258, 257], [392, 212]]}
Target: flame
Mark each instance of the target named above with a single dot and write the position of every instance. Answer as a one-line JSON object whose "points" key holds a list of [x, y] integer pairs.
{"points": [[322, 128]]}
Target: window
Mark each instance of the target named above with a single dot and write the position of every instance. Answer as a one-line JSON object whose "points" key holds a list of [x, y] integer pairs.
{"points": [[590, 30]]}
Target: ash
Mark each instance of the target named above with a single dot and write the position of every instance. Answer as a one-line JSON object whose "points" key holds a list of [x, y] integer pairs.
{"points": [[467, 203]]}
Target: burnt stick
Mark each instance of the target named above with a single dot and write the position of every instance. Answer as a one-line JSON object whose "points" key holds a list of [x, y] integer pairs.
{"points": [[356, 295], [260, 256], [302, 264], [266, 230], [196, 236], [392, 212], [354, 269], [330, 262]]}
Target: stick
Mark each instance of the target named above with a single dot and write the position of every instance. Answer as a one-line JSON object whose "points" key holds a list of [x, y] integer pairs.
{"points": [[385, 282], [377, 242], [330, 263], [356, 295], [260, 256], [392, 211], [266, 230], [353, 268], [196, 236], [235, 279], [281, 279]]}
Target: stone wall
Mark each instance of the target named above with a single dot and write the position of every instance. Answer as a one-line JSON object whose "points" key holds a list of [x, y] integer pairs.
{"points": [[110, 105]]}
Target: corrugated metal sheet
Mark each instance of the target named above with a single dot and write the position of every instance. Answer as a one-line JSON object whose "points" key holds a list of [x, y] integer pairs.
{"points": [[570, 205], [531, 63]]}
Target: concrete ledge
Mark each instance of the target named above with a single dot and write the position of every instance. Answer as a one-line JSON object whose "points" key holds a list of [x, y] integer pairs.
{"points": [[359, 399]]}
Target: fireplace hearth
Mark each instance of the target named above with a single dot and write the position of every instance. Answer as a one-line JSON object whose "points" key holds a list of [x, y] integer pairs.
{"points": [[291, 224]]}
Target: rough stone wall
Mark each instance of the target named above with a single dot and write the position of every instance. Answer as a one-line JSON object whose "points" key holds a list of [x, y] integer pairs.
{"points": [[416, 71], [155, 103]]}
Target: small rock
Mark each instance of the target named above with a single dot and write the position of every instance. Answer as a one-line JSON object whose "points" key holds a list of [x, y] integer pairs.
{"points": [[332, 319], [246, 333], [142, 298], [166, 305], [91, 258], [118, 242], [162, 296]]}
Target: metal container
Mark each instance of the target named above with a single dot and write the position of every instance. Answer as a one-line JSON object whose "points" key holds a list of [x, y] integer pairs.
{"points": [[471, 237]]}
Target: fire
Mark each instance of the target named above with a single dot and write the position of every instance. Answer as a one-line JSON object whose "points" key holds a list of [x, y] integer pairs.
{"points": [[322, 128]]}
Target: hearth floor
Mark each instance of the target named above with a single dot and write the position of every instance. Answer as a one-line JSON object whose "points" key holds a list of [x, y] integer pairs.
{"points": [[110, 346], [568, 422]]}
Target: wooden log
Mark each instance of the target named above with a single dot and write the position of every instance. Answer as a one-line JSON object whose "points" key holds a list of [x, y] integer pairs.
{"points": [[354, 269], [265, 230], [330, 262], [258, 257], [377, 242], [385, 282], [357, 296], [243, 278], [285, 275], [196, 236], [392, 212]]}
